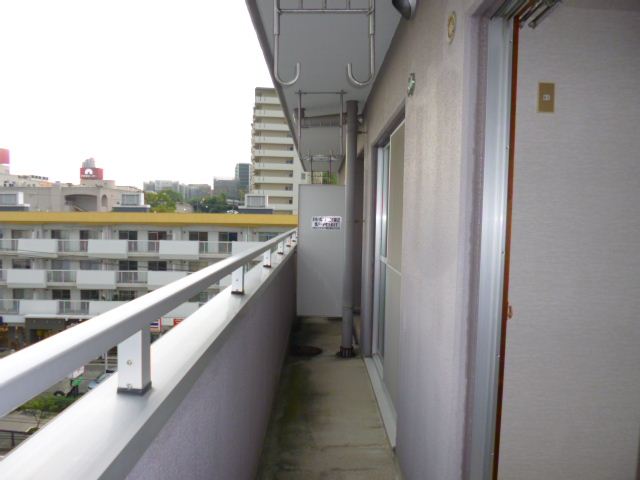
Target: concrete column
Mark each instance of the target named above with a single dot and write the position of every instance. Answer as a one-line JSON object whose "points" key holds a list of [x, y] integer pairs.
{"points": [[346, 345]]}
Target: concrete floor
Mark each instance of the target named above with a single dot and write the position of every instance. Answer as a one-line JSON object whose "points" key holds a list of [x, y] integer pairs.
{"points": [[325, 424]]}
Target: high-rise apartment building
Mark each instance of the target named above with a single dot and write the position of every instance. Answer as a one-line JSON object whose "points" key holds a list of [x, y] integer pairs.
{"points": [[277, 171], [243, 176]]}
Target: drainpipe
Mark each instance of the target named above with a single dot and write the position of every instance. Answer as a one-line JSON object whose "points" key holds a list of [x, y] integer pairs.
{"points": [[346, 346]]}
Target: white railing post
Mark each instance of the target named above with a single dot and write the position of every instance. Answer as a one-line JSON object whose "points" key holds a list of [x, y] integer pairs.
{"points": [[134, 361], [280, 248], [237, 281], [266, 259]]}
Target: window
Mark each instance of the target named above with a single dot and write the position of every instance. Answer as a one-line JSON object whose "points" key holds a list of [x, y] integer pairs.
{"points": [[132, 237], [21, 263], [265, 236], [157, 266], [124, 295], [128, 235], [128, 266], [60, 294], [89, 294], [8, 199], [60, 234], [17, 234], [199, 236], [159, 235], [90, 265], [60, 264], [89, 234], [131, 199], [228, 236], [22, 294]]}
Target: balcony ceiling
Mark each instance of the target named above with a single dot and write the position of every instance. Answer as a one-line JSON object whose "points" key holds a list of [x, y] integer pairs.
{"points": [[323, 44]]}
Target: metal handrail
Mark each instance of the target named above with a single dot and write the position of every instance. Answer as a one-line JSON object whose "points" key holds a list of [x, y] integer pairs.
{"points": [[32, 370]]}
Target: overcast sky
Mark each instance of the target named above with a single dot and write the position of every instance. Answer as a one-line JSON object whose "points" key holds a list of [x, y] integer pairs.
{"points": [[152, 89]]}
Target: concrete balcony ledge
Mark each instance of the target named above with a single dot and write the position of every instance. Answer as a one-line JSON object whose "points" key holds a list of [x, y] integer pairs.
{"points": [[107, 248], [26, 278], [38, 247], [214, 379], [37, 307], [179, 249], [96, 279]]}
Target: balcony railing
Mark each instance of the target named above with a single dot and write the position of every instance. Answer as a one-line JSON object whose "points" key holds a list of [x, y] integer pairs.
{"points": [[8, 245], [79, 307], [61, 276], [131, 277], [8, 306], [111, 435], [73, 246]]}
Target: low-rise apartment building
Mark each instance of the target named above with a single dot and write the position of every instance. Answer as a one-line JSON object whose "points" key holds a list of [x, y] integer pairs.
{"points": [[58, 269]]}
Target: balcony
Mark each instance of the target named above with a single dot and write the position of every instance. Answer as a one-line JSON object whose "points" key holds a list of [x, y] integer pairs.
{"points": [[61, 277], [9, 306], [274, 194], [96, 279], [267, 100], [275, 127], [131, 278], [257, 166], [47, 248], [277, 180], [108, 248], [26, 278], [262, 113], [262, 152], [159, 279], [73, 307], [272, 140], [227, 355]]}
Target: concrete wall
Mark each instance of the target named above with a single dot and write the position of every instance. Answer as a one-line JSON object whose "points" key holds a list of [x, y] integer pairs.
{"points": [[217, 431], [437, 183], [572, 379]]}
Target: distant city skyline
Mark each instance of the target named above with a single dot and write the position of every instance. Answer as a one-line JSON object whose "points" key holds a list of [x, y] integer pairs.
{"points": [[157, 101]]}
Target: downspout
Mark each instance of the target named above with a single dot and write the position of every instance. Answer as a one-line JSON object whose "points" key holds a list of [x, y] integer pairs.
{"points": [[346, 345]]}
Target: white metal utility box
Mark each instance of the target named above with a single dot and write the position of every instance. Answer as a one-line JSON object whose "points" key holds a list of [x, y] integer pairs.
{"points": [[320, 250]]}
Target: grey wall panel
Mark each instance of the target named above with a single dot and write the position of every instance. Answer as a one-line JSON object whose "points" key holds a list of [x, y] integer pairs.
{"points": [[572, 380], [320, 252]]}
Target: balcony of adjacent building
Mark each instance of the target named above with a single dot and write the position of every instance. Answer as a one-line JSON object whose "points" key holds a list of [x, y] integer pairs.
{"points": [[88, 279], [101, 248], [272, 140], [268, 113], [267, 100], [269, 127]]}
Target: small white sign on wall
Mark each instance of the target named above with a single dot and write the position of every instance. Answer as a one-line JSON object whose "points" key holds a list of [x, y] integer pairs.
{"points": [[326, 222]]}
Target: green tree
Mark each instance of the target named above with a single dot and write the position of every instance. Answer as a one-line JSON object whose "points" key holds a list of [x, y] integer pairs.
{"points": [[164, 201], [45, 404], [212, 204]]}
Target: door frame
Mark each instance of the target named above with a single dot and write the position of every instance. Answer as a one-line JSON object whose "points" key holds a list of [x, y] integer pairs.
{"points": [[493, 251]]}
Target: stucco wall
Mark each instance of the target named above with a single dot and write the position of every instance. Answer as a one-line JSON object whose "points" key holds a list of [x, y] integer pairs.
{"points": [[431, 344], [572, 379], [217, 431]]}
